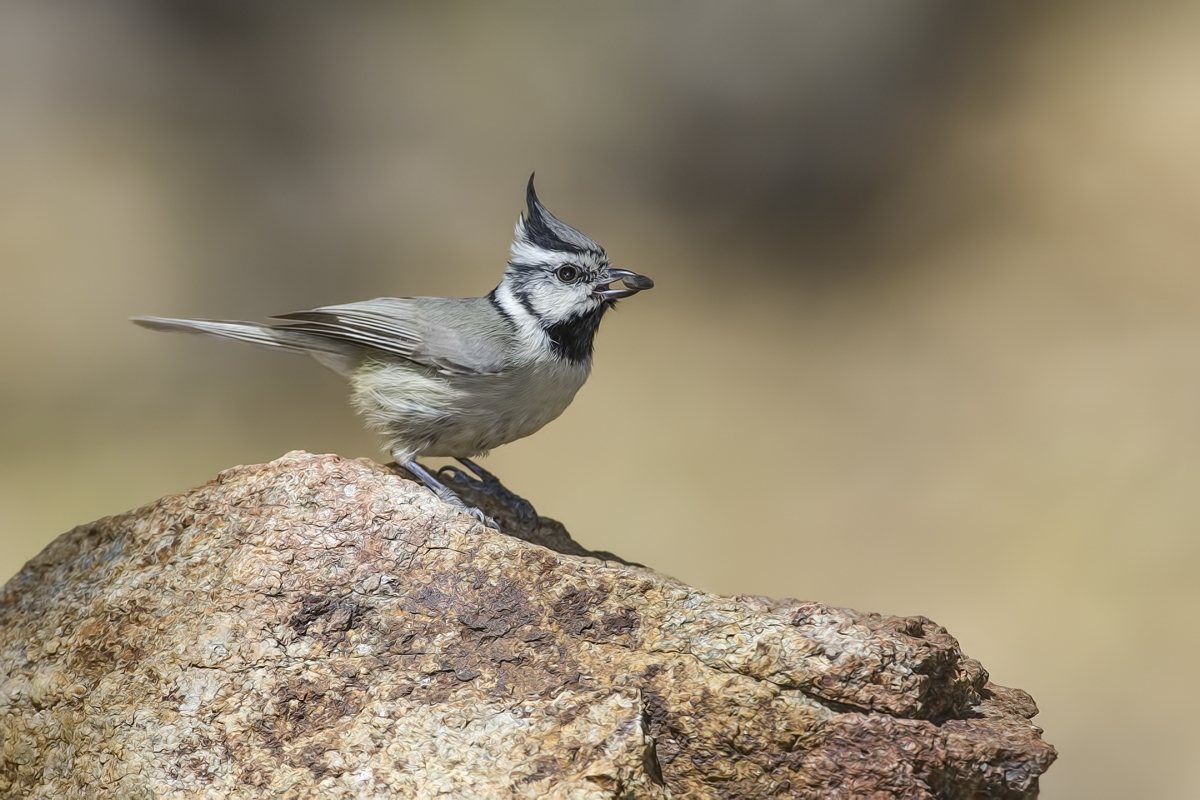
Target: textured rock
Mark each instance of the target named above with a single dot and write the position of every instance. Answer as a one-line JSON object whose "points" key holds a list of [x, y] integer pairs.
{"points": [[318, 627]]}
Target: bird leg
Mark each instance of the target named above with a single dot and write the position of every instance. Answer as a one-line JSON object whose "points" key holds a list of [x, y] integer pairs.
{"points": [[486, 483], [446, 494]]}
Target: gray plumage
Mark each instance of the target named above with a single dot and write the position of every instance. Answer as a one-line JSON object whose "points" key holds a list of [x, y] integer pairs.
{"points": [[458, 376]]}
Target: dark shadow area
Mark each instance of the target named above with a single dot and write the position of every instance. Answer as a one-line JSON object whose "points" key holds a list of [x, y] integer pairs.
{"points": [[512, 513]]}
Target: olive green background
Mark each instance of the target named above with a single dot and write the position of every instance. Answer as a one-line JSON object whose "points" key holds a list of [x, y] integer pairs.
{"points": [[925, 339]]}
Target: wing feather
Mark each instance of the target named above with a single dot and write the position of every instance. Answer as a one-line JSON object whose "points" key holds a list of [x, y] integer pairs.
{"points": [[424, 330]]}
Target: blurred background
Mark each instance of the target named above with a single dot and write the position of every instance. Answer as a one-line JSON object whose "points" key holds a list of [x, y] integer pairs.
{"points": [[926, 336]]}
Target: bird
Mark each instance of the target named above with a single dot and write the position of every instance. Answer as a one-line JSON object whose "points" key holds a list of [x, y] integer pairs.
{"points": [[457, 377]]}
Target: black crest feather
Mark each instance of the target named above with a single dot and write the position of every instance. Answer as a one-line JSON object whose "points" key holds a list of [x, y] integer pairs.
{"points": [[547, 232]]}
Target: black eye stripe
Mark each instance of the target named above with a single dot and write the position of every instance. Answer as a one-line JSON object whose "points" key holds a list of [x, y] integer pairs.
{"points": [[525, 301]]}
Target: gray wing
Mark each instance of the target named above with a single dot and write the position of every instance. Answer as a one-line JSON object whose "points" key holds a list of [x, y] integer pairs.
{"points": [[454, 336]]}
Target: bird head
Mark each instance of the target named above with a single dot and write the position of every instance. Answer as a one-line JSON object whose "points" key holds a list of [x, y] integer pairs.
{"points": [[561, 277]]}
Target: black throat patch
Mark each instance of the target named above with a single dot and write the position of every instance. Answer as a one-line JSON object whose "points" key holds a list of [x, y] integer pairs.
{"points": [[572, 338]]}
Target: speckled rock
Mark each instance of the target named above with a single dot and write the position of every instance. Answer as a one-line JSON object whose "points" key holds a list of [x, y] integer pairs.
{"points": [[320, 627]]}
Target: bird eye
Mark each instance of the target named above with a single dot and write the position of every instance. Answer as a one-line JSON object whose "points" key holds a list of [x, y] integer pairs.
{"points": [[567, 274]]}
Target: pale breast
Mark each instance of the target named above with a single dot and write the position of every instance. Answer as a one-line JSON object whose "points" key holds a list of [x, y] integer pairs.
{"points": [[424, 413]]}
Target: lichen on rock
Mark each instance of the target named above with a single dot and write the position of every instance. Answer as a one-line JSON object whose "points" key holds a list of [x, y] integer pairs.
{"points": [[321, 627]]}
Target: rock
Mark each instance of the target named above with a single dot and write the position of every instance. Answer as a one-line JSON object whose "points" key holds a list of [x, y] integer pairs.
{"points": [[320, 627]]}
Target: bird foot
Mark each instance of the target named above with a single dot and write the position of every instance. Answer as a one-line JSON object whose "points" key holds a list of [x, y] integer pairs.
{"points": [[479, 515], [446, 494], [485, 483]]}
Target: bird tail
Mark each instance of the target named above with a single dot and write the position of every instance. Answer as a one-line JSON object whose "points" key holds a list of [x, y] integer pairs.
{"points": [[337, 357]]}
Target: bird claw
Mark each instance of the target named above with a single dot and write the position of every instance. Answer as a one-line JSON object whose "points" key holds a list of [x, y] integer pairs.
{"points": [[481, 481], [456, 475], [486, 483], [482, 517], [445, 493]]}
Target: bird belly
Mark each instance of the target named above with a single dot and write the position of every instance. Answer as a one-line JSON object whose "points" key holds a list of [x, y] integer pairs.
{"points": [[422, 412]]}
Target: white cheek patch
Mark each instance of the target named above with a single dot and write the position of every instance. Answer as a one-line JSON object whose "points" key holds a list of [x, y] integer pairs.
{"points": [[553, 304]]}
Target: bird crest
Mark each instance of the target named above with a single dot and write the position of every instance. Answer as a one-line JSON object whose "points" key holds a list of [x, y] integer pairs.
{"points": [[540, 233]]}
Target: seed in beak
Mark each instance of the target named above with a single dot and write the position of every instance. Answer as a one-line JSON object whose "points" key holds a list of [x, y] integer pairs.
{"points": [[638, 282]]}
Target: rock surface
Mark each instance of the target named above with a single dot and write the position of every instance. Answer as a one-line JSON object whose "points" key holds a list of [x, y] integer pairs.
{"points": [[319, 627]]}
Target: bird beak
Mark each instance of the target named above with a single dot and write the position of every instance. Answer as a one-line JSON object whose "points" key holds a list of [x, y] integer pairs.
{"points": [[631, 281]]}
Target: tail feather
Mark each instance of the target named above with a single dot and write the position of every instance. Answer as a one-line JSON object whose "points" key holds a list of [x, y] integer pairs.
{"points": [[242, 331], [337, 357]]}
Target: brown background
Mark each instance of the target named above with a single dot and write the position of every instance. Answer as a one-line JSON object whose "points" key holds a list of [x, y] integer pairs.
{"points": [[926, 337]]}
